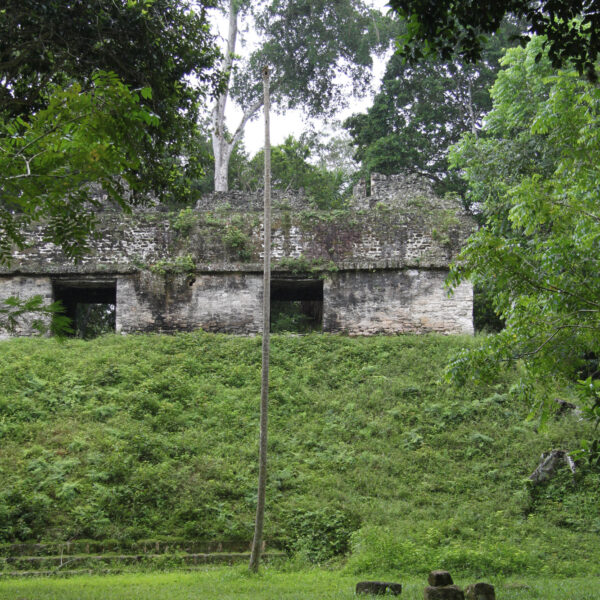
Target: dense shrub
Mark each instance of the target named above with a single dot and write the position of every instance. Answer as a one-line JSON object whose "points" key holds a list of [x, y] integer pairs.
{"points": [[131, 437]]}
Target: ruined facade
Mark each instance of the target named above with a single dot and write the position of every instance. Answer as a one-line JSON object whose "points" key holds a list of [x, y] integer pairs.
{"points": [[377, 266]]}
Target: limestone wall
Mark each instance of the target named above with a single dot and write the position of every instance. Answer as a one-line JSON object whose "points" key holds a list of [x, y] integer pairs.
{"points": [[384, 260], [227, 303], [24, 287], [407, 301]]}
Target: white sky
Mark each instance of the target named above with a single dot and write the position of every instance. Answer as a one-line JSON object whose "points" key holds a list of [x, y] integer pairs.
{"points": [[294, 122]]}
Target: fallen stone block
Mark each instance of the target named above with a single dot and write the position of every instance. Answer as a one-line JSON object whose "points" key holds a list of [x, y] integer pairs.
{"points": [[447, 592], [378, 588], [480, 591], [439, 578]]}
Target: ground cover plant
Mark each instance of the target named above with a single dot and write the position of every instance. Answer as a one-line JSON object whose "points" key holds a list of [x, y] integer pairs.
{"points": [[237, 584], [372, 456]]}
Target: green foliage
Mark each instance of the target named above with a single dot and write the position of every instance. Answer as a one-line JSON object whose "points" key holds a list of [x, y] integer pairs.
{"points": [[448, 27], [315, 267], [534, 173], [178, 265], [291, 170], [421, 110], [185, 221], [49, 317], [309, 45], [136, 437], [485, 318], [237, 241], [289, 316], [320, 534], [384, 549], [49, 162], [241, 174], [94, 319], [162, 47]]}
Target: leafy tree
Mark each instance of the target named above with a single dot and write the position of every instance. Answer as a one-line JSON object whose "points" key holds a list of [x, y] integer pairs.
{"points": [[48, 317], [309, 46], [51, 163], [421, 110], [92, 93], [241, 174], [163, 45], [448, 27], [52, 166], [535, 174], [291, 170]]}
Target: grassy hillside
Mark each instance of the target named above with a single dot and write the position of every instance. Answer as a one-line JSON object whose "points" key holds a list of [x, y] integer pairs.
{"points": [[156, 436]]}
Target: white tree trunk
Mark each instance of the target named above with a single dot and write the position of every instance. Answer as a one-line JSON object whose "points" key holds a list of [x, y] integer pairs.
{"points": [[222, 146], [222, 152]]}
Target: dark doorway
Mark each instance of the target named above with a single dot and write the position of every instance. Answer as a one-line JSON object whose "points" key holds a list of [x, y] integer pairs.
{"points": [[296, 305], [91, 305]]}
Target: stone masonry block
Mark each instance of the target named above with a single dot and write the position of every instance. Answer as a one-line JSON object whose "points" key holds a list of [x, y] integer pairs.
{"points": [[378, 588], [439, 578], [480, 591], [448, 592]]}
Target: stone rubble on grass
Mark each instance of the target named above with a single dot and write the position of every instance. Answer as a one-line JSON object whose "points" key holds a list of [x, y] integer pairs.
{"points": [[378, 588], [439, 578], [445, 592], [441, 587], [480, 591]]}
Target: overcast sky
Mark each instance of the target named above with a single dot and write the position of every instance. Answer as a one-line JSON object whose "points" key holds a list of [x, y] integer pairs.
{"points": [[293, 122]]}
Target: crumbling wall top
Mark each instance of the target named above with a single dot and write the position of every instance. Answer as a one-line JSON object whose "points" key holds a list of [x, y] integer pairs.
{"points": [[403, 224], [239, 201], [401, 191]]}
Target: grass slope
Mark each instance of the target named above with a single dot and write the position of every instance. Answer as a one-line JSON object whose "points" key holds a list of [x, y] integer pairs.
{"points": [[153, 436]]}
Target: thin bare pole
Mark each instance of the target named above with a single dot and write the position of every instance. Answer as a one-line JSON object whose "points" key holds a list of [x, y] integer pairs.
{"points": [[264, 391]]}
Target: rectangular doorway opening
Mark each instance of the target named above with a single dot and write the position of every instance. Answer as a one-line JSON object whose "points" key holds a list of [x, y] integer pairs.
{"points": [[90, 304], [296, 305]]}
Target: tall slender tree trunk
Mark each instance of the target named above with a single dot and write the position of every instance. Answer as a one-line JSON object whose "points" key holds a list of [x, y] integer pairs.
{"points": [[266, 338], [222, 147], [223, 143]]}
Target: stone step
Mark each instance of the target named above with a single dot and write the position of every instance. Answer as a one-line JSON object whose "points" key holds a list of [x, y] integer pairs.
{"points": [[165, 546], [9, 566], [75, 572]]}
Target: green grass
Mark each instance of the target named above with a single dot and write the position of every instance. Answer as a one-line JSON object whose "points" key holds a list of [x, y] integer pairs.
{"points": [[236, 584], [156, 436]]}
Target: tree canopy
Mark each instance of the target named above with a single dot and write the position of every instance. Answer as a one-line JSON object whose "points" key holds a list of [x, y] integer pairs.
{"points": [[94, 95], [56, 166], [291, 170], [319, 53], [446, 27], [424, 108], [162, 45], [534, 173]]}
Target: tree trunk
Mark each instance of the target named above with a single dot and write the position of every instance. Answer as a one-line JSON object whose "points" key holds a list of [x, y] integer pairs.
{"points": [[222, 152], [264, 392], [222, 143], [221, 146]]}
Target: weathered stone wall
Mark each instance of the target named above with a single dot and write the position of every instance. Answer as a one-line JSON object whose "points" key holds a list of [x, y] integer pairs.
{"points": [[237, 201], [379, 238], [389, 301], [385, 259], [227, 302], [24, 287]]}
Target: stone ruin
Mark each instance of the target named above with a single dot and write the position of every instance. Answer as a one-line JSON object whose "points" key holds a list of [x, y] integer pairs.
{"points": [[376, 266], [441, 587]]}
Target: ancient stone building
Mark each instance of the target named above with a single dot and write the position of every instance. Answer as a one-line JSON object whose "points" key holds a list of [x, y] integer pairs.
{"points": [[377, 266]]}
